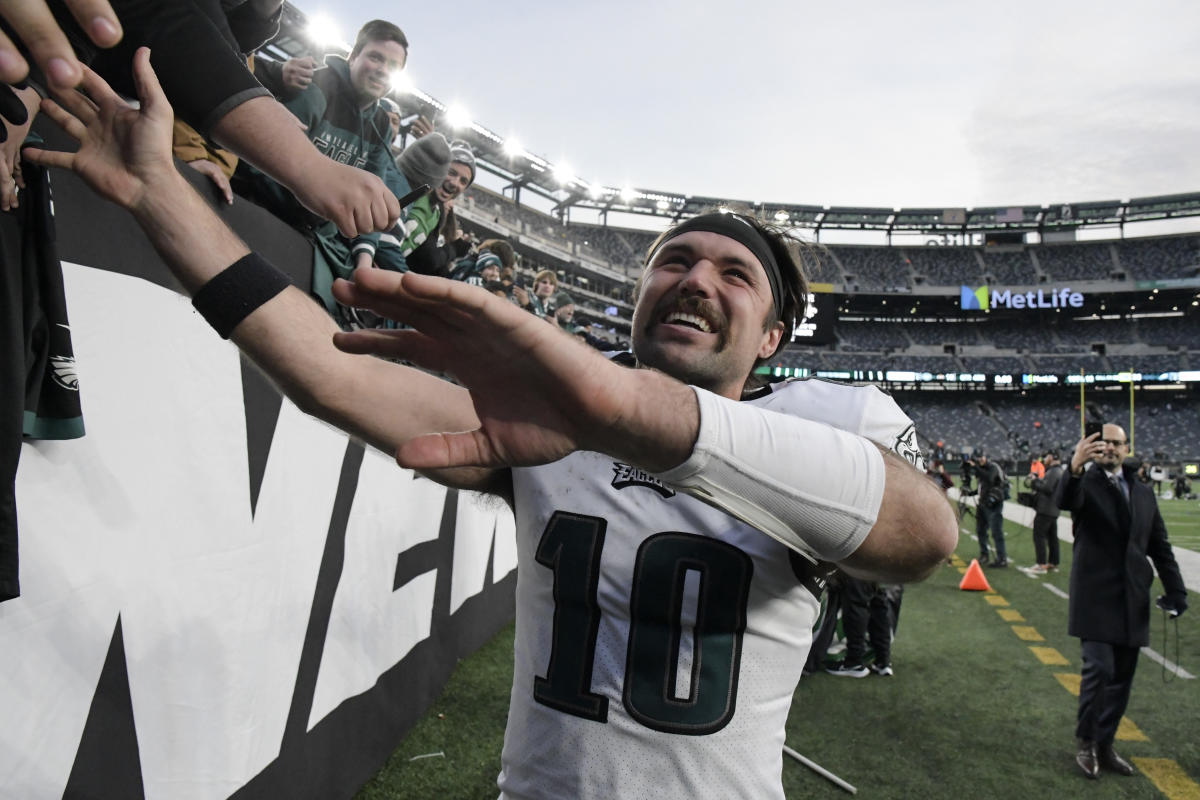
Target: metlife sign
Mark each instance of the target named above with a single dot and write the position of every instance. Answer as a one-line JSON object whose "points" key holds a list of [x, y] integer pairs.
{"points": [[983, 298]]}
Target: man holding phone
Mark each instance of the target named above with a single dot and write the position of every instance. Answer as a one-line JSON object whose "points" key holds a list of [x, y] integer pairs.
{"points": [[1116, 525]]}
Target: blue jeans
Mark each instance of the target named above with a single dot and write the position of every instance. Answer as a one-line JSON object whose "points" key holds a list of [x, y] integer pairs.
{"points": [[990, 518]]}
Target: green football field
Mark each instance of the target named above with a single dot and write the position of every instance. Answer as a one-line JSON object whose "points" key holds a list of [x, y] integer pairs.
{"points": [[981, 705]]}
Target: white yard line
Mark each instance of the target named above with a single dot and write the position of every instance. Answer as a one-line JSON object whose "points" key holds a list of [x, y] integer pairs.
{"points": [[1055, 590], [1151, 654]]}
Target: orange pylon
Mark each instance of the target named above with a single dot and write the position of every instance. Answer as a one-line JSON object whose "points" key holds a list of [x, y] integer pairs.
{"points": [[973, 580]]}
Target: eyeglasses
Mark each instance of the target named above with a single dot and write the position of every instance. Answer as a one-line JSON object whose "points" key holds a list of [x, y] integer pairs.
{"points": [[1114, 442]]}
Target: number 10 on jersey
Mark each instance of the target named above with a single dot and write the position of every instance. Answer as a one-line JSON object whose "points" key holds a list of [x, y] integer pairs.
{"points": [[571, 546]]}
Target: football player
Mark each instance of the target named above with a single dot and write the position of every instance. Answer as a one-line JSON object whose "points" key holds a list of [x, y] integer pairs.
{"points": [[672, 521]]}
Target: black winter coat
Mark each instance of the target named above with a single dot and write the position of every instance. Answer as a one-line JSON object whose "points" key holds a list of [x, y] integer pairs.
{"points": [[1110, 577]]}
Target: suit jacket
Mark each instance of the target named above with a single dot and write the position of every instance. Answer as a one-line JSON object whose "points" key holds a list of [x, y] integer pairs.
{"points": [[1110, 577]]}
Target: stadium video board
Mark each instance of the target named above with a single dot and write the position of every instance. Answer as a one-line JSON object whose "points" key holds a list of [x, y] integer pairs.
{"points": [[820, 318]]}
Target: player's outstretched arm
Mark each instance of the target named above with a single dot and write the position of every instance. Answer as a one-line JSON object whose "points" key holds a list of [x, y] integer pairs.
{"points": [[915, 531], [539, 395], [125, 156]]}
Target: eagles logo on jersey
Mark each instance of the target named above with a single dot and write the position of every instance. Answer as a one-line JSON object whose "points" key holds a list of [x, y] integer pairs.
{"points": [[906, 447], [625, 475]]}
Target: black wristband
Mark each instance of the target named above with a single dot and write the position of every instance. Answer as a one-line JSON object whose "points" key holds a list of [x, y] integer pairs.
{"points": [[237, 291]]}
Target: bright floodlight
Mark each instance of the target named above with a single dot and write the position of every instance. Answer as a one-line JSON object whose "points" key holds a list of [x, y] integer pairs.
{"points": [[781, 216], [401, 83], [595, 190], [628, 194], [662, 205], [457, 116], [512, 148], [563, 174], [323, 30]]}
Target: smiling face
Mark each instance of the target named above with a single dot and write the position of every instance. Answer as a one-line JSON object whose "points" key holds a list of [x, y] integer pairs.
{"points": [[372, 67], [457, 179], [702, 313]]}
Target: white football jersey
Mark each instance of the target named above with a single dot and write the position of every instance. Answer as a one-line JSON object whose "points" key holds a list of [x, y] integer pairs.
{"points": [[659, 640]]}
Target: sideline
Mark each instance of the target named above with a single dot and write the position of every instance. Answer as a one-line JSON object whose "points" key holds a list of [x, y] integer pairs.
{"points": [[1189, 560]]}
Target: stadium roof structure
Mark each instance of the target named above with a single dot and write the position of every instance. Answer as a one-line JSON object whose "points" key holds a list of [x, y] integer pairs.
{"points": [[524, 170]]}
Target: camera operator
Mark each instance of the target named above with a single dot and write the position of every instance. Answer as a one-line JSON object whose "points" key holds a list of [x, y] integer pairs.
{"points": [[1117, 525], [967, 473], [989, 510]]}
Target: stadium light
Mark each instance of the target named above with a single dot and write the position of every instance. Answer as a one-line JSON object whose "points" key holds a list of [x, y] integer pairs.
{"points": [[563, 174], [662, 205], [323, 30], [512, 148], [401, 83], [457, 117], [782, 216], [628, 194], [596, 190]]}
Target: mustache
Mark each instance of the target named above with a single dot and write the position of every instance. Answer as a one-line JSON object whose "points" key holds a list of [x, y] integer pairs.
{"points": [[692, 304]]}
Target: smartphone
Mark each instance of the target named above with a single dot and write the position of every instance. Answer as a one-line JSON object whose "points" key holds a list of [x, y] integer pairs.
{"points": [[1092, 427]]}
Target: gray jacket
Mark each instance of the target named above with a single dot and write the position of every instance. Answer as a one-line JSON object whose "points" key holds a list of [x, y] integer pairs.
{"points": [[1044, 489]]}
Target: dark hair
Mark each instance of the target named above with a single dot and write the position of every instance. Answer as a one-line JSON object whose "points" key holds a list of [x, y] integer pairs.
{"points": [[501, 249], [378, 30], [794, 256]]}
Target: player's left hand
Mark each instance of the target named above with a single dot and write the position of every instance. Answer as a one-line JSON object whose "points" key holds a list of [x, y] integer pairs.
{"points": [[539, 394], [123, 151]]}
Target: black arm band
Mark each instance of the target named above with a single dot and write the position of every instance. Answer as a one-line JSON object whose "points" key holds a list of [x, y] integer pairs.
{"points": [[237, 291]]}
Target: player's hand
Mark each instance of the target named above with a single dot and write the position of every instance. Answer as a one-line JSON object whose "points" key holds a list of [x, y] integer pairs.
{"points": [[356, 201], [1087, 449], [123, 151], [539, 394], [37, 29], [214, 173], [298, 72]]}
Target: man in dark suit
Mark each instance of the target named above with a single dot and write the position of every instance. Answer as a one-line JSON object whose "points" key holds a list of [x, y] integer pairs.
{"points": [[1116, 525]]}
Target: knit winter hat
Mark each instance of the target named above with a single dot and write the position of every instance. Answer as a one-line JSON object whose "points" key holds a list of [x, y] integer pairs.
{"points": [[461, 153], [426, 161], [561, 300], [487, 259]]}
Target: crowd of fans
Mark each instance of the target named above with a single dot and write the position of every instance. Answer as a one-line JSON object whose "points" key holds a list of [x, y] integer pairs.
{"points": [[1016, 427], [349, 123]]}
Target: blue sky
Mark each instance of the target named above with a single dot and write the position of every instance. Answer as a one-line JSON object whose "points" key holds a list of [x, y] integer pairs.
{"points": [[872, 103]]}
